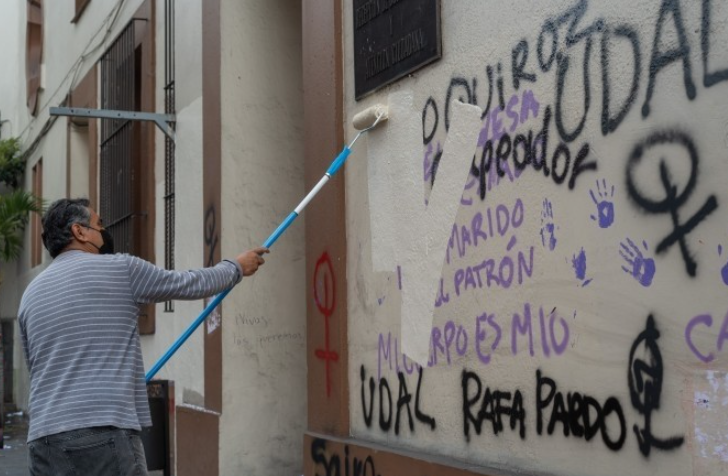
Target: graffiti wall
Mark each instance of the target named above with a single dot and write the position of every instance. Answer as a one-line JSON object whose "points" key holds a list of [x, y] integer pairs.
{"points": [[538, 243]]}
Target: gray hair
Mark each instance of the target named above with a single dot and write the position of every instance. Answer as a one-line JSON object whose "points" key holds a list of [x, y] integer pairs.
{"points": [[59, 218]]}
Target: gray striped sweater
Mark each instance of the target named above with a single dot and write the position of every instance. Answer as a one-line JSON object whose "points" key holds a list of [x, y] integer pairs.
{"points": [[78, 324]]}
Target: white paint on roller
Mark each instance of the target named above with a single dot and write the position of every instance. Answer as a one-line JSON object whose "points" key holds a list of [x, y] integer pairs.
{"points": [[401, 223], [368, 116]]}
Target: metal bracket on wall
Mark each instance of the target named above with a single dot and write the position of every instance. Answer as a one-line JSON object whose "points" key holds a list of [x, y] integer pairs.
{"points": [[163, 121]]}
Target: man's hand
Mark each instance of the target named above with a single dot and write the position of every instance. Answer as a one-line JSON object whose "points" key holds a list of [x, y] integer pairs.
{"points": [[251, 260]]}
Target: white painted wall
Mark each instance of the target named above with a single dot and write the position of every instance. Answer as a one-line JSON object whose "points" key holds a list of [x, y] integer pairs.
{"points": [[10, 54], [188, 48], [593, 281], [264, 352], [69, 51], [186, 367]]}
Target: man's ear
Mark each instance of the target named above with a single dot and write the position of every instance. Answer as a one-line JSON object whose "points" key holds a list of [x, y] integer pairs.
{"points": [[79, 233]]}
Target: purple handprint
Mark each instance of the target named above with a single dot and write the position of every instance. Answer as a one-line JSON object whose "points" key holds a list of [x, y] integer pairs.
{"points": [[579, 265], [724, 269], [605, 207], [547, 225], [643, 269]]}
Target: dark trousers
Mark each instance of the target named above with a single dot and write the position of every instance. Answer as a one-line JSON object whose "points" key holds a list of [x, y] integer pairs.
{"points": [[98, 451]]}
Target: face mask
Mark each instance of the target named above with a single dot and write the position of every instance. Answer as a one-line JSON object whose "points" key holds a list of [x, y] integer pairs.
{"points": [[107, 248]]}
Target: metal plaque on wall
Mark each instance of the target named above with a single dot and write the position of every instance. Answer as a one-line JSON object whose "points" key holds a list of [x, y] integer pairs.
{"points": [[393, 38]]}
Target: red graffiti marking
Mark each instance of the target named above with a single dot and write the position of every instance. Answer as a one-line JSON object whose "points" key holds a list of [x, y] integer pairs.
{"points": [[324, 293], [323, 279]]}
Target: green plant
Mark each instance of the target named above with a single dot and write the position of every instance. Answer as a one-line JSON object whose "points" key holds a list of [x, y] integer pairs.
{"points": [[15, 209], [12, 164], [15, 205]]}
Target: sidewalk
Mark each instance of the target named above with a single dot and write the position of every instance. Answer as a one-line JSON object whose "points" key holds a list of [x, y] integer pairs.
{"points": [[14, 454]]}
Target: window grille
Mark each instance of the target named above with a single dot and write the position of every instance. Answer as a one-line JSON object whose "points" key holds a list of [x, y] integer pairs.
{"points": [[169, 108], [116, 171]]}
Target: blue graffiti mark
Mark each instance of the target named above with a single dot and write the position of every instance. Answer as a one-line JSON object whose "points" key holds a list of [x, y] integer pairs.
{"points": [[547, 225], [724, 269], [579, 265], [605, 207], [642, 269]]}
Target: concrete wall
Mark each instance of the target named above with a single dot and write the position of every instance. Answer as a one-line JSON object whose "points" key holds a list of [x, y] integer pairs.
{"points": [[264, 364], [557, 313]]}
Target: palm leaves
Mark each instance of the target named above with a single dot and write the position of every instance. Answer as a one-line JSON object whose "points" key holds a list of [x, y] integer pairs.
{"points": [[15, 205], [12, 163], [15, 209]]}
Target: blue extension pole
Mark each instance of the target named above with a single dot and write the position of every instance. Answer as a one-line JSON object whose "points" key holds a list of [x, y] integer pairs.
{"points": [[333, 168]]}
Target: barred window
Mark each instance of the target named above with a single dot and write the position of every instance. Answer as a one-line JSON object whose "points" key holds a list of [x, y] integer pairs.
{"points": [[126, 169]]}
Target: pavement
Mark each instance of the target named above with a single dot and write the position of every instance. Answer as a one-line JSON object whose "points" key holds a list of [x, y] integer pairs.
{"points": [[14, 451]]}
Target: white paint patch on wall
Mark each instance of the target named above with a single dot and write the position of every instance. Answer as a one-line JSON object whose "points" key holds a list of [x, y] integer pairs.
{"points": [[388, 156], [419, 249], [188, 53]]}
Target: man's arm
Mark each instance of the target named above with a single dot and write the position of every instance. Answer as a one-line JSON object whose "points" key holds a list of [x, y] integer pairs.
{"points": [[150, 283]]}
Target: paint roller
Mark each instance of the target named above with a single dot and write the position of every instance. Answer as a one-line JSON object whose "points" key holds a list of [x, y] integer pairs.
{"points": [[364, 121]]}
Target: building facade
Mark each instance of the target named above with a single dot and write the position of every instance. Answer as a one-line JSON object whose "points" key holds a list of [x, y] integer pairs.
{"points": [[522, 271]]}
